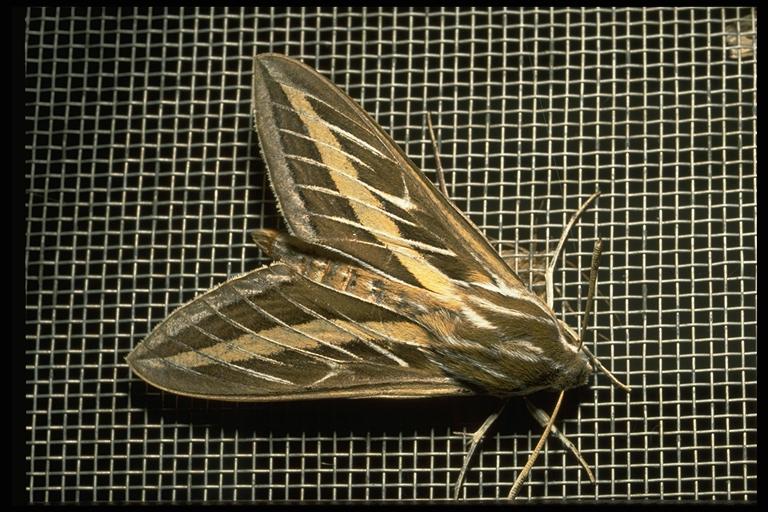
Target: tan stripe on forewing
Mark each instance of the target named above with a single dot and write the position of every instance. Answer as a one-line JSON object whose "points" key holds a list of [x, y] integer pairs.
{"points": [[248, 346], [403, 332], [265, 344], [348, 184]]}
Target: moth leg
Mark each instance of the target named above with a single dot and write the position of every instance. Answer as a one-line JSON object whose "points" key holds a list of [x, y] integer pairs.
{"points": [[438, 165], [542, 418], [536, 450], [477, 437]]}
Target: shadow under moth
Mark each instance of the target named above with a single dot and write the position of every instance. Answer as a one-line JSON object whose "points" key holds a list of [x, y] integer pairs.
{"points": [[381, 287]]}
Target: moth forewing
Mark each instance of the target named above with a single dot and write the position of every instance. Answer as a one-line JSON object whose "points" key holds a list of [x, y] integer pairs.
{"points": [[271, 335]]}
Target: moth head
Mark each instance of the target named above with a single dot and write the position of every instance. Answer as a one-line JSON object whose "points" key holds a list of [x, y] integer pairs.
{"points": [[575, 374], [576, 367]]}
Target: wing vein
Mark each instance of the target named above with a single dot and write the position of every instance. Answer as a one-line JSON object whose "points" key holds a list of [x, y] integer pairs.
{"points": [[329, 146], [397, 240], [232, 366], [307, 94], [248, 330], [335, 193], [402, 203], [235, 346], [305, 116], [297, 331], [346, 329]]}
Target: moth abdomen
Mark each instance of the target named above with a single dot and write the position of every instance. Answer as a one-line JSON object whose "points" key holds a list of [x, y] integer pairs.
{"points": [[337, 272]]}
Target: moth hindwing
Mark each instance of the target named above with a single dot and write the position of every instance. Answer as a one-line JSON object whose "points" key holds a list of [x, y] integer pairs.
{"points": [[382, 288]]}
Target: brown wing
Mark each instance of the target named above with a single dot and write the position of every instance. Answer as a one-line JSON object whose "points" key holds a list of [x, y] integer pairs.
{"points": [[272, 335], [343, 183]]}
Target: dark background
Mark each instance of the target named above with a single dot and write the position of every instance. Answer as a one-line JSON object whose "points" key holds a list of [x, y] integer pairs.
{"points": [[143, 179]]}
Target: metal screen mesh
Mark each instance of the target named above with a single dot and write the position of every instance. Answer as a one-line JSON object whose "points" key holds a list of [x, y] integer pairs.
{"points": [[144, 179]]}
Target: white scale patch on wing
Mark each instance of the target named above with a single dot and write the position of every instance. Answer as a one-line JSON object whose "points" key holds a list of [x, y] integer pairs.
{"points": [[404, 203], [376, 207], [545, 319]]}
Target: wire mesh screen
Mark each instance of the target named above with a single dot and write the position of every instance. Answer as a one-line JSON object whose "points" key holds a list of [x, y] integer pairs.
{"points": [[144, 179]]}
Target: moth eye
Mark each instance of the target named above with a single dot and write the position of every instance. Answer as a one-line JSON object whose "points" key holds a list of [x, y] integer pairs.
{"points": [[576, 375], [582, 376]]}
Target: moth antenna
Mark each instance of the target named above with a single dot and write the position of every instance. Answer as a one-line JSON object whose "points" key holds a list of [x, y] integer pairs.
{"points": [[567, 306], [477, 438], [542, 417], [549, 281], [596, 252], [551, 269], [535, 453], [438, 165]]}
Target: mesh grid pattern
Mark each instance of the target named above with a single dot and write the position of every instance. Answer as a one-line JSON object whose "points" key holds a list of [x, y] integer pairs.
{"points": [[143, 180]]}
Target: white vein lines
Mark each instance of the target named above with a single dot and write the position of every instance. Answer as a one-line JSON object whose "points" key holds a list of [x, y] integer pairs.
{"points": [[378, 224], [305, 116], [402, 203], [330, 192], [334, 127], [294, 330], [545, 319], [250, 332], [402, 245], [355, 330], [220, 353], [513, 293]]}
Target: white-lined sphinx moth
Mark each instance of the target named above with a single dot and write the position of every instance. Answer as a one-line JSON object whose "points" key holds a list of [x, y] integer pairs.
{"points": [[382, 288]]}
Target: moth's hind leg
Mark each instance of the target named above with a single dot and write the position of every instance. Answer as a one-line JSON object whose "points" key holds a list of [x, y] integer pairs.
{"points": [[475, 440]]}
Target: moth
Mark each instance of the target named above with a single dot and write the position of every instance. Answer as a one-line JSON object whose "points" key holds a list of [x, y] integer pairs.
{"points": [[380, 288]]}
